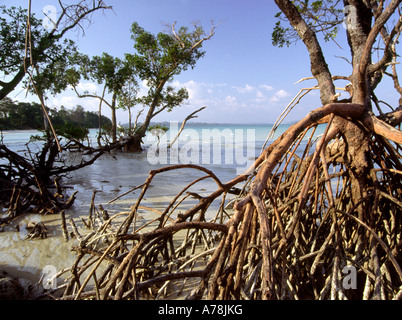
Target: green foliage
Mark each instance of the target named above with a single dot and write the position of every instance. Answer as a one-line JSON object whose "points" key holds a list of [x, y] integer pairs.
{"points": [[172, 98], [104, 69], [160, 57], [158, 129], [12, 37], [51, 73], [73, 132], [323, 17], [279, 38], [112, 72], [23, 115], [20, 115], [49, 53]]}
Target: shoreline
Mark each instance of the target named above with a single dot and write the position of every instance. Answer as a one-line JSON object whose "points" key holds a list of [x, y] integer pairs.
{"points": [[111, 178], [27, 259]]}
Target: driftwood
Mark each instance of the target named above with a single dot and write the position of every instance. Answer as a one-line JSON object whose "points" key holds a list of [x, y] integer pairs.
{"points": [[189, 117], [33, 182], [295, 231], [29, 182]]}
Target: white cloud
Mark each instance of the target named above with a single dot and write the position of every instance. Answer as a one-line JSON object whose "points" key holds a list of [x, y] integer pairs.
{"points": [[66, 101], [274, 99], [246, 89], [200, 93], [144, 84], [88, 86], [266, 87], [231, 100], [193, 89], [70, 102], [282, 93], [279, 95], [143, 88], [260, 97]]}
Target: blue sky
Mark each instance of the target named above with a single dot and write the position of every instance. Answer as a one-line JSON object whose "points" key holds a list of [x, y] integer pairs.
{"points": [[241, 79]]}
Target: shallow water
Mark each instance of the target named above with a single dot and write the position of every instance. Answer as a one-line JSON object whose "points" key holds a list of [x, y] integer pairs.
{"points": [[113, 176], [110, 178]]}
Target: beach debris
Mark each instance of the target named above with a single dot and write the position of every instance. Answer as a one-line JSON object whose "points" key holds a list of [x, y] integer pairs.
{"points": [[323, 225], [103, 212], [36, 230], [32, 182], [64, 225], [291, 233]]}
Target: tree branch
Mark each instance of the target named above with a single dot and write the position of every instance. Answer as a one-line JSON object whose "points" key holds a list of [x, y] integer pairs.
{"points": [[276, 150], [319, 67], [92, 96], [79, 12], [388, 54], [381, 128], [375, 30], [190, 116], [7, 87]]}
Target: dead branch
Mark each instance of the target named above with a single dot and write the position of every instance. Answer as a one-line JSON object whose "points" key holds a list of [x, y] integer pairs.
{"points": [[190, 116], [288, 236]]}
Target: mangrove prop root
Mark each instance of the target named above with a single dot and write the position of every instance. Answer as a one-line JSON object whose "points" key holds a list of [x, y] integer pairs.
{"points": [[303, 227]]}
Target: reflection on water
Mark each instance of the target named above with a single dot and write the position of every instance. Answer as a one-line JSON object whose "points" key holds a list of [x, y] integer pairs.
{"points": [[110, 177]]}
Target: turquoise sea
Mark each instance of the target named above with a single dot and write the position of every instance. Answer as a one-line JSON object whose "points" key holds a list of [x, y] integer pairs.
{"points": [[254, 134], [226, 149], [16, 138]]}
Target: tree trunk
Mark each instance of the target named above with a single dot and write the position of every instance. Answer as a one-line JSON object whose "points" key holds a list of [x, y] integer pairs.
{"points": [[319, 67], [134, 143], [100, 116], [114, 120], [130, 126], [8, 87]]}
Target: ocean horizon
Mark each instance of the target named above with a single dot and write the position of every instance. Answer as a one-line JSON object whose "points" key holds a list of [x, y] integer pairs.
{"points": [[12, 137], [225, 149]]}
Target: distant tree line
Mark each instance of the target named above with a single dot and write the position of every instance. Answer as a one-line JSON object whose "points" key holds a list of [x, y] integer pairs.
{"points": [[24, 115]]}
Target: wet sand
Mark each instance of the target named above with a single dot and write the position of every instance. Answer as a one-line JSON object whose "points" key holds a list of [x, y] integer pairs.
{"points": [[28, 258]]}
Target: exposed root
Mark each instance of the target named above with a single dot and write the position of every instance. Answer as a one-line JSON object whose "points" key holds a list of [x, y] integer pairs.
{"points": [[299, 229]]}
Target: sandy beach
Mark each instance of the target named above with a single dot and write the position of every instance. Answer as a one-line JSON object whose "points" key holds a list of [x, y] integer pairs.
{"points": [[113, 175], [110, 176]]}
